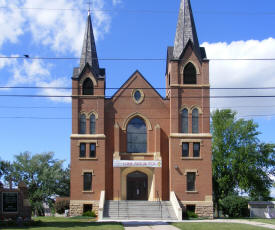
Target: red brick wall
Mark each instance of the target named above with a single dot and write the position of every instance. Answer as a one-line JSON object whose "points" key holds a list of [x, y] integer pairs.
{"points": [[162, 112]]}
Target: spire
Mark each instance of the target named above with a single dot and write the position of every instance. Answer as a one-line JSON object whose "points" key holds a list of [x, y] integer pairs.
{"points": [[89, 54], [186, 31]]}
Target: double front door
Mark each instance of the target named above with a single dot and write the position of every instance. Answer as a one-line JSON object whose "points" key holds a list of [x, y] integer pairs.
{"points": [[137, 186]]}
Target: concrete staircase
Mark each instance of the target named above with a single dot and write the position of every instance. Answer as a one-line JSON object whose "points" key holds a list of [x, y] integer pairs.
{"points": [[138, 210]]}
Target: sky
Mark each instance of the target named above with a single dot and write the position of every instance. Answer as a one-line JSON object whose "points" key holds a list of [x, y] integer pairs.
{"points": [[137, 29]]}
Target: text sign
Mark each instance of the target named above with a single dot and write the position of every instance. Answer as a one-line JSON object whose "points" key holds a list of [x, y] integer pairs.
{"points": [[123, 163], [10, 201]]}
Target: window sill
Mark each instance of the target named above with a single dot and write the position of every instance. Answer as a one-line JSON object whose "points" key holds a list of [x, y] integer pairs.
{"points": [[191, 158], [88, 159], [192, 192], [88, 191]]}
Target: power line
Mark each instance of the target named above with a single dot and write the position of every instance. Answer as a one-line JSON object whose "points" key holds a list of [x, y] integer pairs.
{"points": [[147, 88], [110, 97], [71, 107], [118, 118], [132, 59], [143, 11]]}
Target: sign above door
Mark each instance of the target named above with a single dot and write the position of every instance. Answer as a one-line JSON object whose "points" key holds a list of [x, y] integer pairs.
{"points": [[143, 164]]}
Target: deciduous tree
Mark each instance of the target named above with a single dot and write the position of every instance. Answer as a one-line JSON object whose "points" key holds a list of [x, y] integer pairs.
{"points": [[44, 177], [241, 163]]}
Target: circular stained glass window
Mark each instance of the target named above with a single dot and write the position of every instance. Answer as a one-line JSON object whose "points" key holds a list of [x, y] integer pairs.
{"points": [[137, 95]]}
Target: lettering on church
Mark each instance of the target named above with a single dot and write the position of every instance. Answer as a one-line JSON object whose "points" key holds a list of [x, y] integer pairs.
{"points": [[124, 163]]}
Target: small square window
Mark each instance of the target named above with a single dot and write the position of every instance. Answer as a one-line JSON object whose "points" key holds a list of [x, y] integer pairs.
{"points": [[87, 208], [196, 149], [82, 152], [92, 150], [191, 179], [87, 181], [191, 208], [185, 149]]}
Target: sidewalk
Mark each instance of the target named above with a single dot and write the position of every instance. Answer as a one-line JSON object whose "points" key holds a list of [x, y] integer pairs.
{"points": [[135, 225], [147, 225]]}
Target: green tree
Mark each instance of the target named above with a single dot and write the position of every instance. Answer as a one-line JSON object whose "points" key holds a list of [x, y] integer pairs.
{"points": [[5, 171], [44, 177], [240, 161], [1, 169]]}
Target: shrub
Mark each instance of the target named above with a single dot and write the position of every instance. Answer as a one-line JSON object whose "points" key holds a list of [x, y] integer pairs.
{"points": [[61, 206], [235, 206], [191, 214], [89, 213]]}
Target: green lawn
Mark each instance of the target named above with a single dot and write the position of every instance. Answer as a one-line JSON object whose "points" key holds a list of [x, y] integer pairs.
{"points": [[58, 223], [216, 226]]}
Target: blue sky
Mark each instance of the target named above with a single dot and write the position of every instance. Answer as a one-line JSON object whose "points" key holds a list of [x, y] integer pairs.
{"points": [[124, 29]]}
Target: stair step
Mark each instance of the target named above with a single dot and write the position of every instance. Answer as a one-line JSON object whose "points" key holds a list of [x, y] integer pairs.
{"points": [[143, 210]]}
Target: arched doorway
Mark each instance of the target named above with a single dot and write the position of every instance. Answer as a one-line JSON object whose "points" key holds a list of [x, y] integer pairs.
{"points": [[137, 186]]}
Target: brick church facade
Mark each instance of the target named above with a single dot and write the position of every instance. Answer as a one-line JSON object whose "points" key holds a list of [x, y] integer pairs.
{"points": [[139, 145]]}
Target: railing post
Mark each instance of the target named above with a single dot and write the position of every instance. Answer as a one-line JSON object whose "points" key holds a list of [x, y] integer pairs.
{"points": [[118, 203], [160, 205]]}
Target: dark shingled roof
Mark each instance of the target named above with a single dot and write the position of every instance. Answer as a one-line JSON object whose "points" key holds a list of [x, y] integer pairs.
{"points": [[89, 54], [186, 31]]}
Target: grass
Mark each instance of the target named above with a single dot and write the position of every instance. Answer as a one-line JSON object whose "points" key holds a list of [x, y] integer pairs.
{"points": [[75, 223], [215, 226]]}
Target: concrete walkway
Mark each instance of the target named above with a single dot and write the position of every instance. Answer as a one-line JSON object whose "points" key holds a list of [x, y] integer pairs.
{"points": [[135, 225], [149, 225]]}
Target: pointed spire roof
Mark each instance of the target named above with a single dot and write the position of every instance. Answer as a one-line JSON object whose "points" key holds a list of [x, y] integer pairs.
{"points": [[186, 31], [89, 54]]}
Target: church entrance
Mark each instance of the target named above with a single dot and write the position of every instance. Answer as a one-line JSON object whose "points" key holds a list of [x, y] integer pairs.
{"points": [[137, 186]]}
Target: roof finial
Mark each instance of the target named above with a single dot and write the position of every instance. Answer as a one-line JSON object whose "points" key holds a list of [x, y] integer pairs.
{"points": [[89, 4]]}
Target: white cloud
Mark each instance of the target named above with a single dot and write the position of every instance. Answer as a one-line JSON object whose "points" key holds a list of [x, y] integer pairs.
{"points": [[28, 72], [61, 30], [37, 73], [243, 74], [59, 83], [117, 2], [11, 22]]}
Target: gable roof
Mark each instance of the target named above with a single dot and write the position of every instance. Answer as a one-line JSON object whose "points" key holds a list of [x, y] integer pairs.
{"points": [[129, 79]]}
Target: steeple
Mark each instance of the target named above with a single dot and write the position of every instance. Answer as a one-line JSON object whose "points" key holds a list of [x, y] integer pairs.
{"points": [[186, 31], [89, 54]]}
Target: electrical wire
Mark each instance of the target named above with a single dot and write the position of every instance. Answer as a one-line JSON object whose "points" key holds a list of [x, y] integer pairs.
{"points": [[130, 88], [142, 11], [121, 118], [132, 59], [111, 97]]}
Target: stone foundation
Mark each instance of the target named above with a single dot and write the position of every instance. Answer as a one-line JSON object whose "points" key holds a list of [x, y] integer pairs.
{"points": [[76, 206], [203, 208]]}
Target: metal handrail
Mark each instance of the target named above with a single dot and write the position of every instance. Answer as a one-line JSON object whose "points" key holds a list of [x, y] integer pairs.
{"points": [[160, 205], [118, 203]]}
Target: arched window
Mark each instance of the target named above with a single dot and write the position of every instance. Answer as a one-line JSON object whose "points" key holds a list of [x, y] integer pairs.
{"points": [[189, 75], [195, 121], [82, 124], [92, 124], [88, 87], [136, 136], [184, 121]]}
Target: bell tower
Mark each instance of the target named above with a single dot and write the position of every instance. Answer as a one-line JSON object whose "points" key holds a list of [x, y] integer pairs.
{"points": [[88, 134], [187, 83]]}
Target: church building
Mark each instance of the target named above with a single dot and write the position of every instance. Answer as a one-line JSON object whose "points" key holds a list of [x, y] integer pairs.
{"points": [[139, 145]]}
